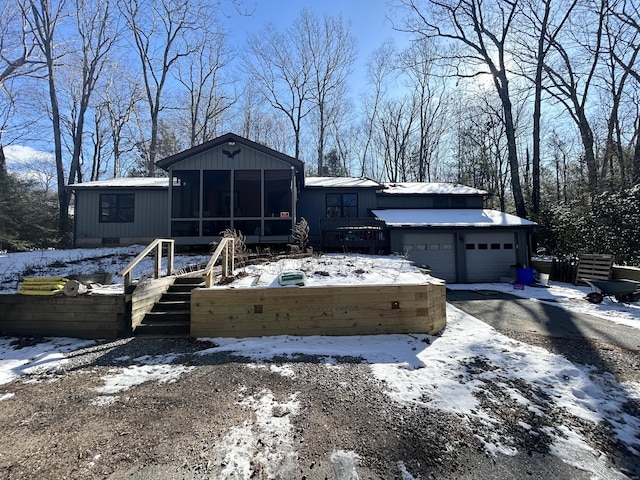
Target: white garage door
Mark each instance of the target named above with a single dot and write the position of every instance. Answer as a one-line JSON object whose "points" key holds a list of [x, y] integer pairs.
{"points": [[489, 256], [435, 251]]}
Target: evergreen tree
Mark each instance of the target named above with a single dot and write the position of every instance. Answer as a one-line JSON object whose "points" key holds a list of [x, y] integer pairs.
{"points": [[28, 216]]}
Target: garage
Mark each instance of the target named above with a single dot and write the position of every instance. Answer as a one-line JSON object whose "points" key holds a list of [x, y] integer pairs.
{"points": [[433, 250], [489, 255], [459, 245]]}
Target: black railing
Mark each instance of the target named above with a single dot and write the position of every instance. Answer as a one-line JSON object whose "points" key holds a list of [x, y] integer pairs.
{"points": [[364, 235]]}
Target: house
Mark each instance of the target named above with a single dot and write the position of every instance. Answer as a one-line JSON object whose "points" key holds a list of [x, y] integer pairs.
{"points": [[232, 182]]}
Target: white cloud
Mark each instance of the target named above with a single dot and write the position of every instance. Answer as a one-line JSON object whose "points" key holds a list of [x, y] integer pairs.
{"points": [[24, 155]]}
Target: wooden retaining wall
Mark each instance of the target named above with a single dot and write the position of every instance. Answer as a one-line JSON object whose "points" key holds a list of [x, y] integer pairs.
{"points": [[84, 316], [318, 310]]}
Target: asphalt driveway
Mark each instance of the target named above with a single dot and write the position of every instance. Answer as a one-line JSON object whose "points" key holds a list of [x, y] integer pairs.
{"points": [[507, 312]]}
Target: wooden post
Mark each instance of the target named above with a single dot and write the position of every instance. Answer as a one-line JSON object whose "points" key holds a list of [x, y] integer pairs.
{"points": [[170, 256], [157, 260], [225, 260]]}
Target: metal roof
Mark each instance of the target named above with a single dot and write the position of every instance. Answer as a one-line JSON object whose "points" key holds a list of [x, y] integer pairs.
{"points": [[412, 217]]}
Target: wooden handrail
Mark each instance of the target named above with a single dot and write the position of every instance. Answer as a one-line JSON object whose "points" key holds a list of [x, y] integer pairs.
{"points": [[226, 249], [156, 247]]}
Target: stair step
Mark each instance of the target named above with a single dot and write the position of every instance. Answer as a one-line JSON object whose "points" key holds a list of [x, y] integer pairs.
{"points": [[189, 281], [171, 316], [159, 316], [171, 306], [186, 288], [176, 297]]}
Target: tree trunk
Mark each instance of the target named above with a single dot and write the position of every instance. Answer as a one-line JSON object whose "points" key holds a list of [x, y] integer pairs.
{"points": [[512, 150], [3, 163]]}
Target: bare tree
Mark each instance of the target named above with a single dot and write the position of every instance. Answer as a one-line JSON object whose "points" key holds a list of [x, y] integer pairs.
{"points": [[425, 79], [541, 27], [571, 66], [18, 57], [331, 49], [164, 32], [380, 67], [97, 34], [396, 125], [119, 99], [280, 66], [625, 52], [202, 75], [43, 18], [481, 31]]}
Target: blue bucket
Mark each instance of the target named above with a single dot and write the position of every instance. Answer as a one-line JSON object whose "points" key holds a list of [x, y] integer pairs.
{"points": [[525, 276]]}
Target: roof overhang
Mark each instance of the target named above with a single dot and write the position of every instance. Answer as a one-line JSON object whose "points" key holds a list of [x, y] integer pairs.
{"points": [[139, 183], [450, 218], [340, 182], [429, 188]]}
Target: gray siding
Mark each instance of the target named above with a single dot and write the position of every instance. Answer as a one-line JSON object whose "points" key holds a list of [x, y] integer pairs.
{"points": [[312, 204], [150, 217], [246, 159], [428, 201]]}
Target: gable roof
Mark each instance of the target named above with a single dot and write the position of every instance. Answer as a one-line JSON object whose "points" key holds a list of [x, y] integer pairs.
{"points": [[429, 188], [167, 162], [452, 217]]}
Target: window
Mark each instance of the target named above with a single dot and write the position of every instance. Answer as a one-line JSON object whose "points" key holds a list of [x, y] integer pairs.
{"points": [[277, 192], [247, 186], [216, 193], [185, 196], [116, 208], [342, 205]]}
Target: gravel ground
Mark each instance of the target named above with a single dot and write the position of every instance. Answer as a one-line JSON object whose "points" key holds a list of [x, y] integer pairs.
{"points": [[294, 418]]}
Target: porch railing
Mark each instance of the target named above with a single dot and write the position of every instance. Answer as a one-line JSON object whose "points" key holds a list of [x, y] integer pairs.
{"points": [[226, 250], [156, 248]]}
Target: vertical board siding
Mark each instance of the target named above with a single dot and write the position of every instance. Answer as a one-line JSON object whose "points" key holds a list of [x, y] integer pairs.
{"points": [[247, 159], [320, 310], [150, 215]]}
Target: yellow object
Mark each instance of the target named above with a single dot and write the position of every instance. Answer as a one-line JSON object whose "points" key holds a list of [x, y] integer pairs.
{"points": [[44, 280], [39, 292], [42, 285]]}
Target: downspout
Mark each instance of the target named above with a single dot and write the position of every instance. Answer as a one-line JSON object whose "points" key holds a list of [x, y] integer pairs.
{"points": [[75, 218], [294, 203]]}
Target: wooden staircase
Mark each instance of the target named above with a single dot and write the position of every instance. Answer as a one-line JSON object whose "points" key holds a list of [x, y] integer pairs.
{"points": [[171, 315]]}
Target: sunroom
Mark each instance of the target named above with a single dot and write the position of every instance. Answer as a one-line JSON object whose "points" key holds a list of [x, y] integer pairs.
{"points": [[231, 183]]}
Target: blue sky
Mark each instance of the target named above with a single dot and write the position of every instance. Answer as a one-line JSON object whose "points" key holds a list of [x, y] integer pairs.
{"points": [[370, 22]]}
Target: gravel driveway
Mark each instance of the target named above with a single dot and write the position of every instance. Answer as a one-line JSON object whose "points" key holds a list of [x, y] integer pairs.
{"points": [[297, 418]]}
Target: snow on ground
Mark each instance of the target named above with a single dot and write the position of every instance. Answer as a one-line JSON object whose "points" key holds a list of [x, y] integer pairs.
{"points": [[431, 372], [14, 267], [22, 359]]}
